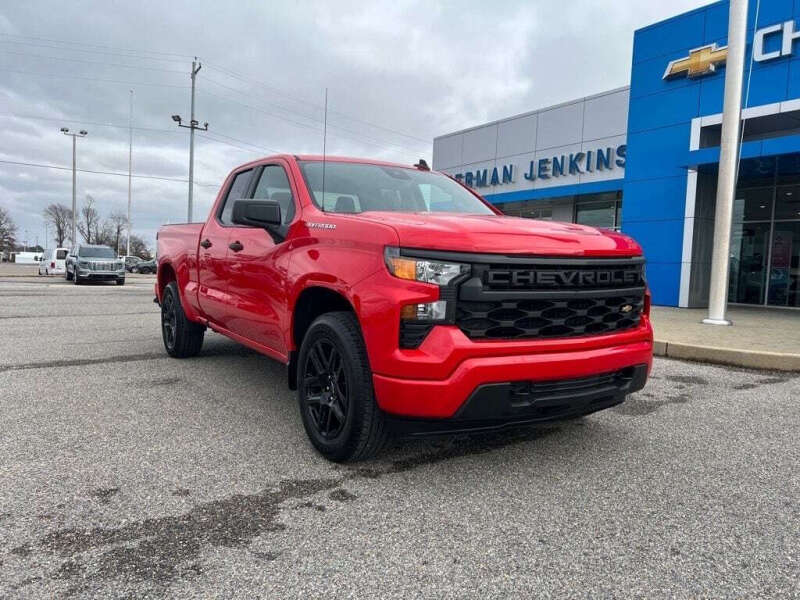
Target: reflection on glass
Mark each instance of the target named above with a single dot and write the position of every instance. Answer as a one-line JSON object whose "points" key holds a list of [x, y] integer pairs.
{"points": [[748, 261], [784, 273]]}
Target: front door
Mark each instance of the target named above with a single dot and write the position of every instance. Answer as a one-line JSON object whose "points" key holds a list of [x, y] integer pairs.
{"points": [[258, 265], [214, 297]]}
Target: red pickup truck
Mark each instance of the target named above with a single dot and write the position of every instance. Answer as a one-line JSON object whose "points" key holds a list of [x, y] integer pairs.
{"points": [[402, 302]]}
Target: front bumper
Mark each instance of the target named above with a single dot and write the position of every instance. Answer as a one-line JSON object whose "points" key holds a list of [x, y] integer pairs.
{"points": [[486, 380], [497, 405], [101, 275]]}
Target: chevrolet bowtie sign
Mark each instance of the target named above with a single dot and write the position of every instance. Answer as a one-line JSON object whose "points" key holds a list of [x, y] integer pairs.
{"points": [[769, 43], [701, 61]]}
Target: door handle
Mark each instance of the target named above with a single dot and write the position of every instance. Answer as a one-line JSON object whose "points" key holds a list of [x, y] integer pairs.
{"points": [[236, 246], [206, 243]]}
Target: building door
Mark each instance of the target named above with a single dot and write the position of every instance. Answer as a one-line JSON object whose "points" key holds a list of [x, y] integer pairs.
{"points": [[765, 240], [784, 271]]}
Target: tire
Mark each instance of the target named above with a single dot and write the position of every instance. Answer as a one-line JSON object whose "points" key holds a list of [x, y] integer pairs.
{"points": [[76, 278], [336, 399], [67, 275], [121, 281], [182, 338]]}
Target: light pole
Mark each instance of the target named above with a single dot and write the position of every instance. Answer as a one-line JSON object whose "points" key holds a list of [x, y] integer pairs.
{"points": [[728, 163], [74, 136], [193, 124], [130, 162]]}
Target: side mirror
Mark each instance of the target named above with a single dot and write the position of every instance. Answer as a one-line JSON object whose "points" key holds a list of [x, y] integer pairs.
{"points": [[256, 213]]}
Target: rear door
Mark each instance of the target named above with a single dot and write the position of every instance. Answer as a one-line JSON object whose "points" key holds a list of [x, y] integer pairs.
{"points": [[259, 263], [60, 257], [213, 296]]}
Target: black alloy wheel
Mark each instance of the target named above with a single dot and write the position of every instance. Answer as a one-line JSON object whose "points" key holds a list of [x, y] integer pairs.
{"points": [[182, 338], [169, 321], [326, 389], [334, 390]]}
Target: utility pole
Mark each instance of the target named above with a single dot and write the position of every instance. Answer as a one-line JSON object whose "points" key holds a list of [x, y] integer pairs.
{"points": [[193, 124], [130, 174], [74, 136], [728, 164]]}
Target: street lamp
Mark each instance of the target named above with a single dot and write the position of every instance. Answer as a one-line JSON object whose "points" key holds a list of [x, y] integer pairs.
{"points": [[81, 133], [193, 124]]}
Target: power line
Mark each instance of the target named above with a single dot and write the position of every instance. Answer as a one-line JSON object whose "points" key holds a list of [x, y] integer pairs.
{"points": [[93, 62], [112, 49], [251, 80], [60, 76], [149, 129], [82, 122], [354, 135], [229, 72], [209, 135], [60, 168]]}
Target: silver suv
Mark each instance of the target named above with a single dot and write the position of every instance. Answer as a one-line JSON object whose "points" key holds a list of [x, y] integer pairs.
{"points": [[86, 262]]}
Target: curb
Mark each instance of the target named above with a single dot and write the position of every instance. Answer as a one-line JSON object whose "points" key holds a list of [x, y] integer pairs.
{"points": [[773, 361]]}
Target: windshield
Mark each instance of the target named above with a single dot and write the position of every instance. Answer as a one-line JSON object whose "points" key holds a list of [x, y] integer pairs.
{"points": [[359, 187], [96, 252]]}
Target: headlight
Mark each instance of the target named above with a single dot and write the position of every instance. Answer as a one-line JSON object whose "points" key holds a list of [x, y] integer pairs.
{"points": [[83, 263], [421, 269]]}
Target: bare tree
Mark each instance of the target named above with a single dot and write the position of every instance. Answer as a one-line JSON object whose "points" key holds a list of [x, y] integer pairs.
{"points": [[116, 224], [60, 217], [89, 221], [138, 247], [8, 232]]}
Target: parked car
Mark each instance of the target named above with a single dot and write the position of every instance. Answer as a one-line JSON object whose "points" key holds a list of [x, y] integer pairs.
{"points": [[52, 262], [146, 266], [130, 262], [401, 301], [87, 262]]}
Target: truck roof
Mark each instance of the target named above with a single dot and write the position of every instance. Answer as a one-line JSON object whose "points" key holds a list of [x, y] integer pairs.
{"points": [[329, 158]]}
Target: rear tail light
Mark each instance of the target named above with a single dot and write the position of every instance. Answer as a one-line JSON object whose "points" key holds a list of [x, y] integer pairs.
{"points": [[52, 265]]}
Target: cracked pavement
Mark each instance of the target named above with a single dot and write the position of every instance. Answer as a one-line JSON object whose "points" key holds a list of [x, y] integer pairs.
{"points": [[124, 473]]}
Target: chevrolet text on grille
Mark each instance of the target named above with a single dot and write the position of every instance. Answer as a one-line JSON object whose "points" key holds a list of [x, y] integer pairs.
{"points": [[572, 277]]}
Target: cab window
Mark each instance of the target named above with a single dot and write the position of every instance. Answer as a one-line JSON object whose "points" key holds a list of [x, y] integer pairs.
{"points": [[237, 191], [274, 185]]}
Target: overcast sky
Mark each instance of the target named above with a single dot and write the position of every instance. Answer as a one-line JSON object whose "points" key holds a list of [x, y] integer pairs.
{"points": [[398, 74]]}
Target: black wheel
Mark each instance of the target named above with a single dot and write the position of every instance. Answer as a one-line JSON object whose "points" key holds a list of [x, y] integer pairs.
{"points": [[334, 390], [76, 278], [67, 275], [182, 338], [121, 281]]}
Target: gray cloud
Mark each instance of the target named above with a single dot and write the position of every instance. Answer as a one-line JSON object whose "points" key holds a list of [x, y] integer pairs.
{"points": [[398, 74]]}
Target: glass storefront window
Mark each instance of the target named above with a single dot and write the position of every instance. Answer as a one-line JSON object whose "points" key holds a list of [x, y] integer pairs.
{"points": [[530, 209], [754, 204], [603, 210], [784, 272], [765, 240], [748, 263], [787, 202]]}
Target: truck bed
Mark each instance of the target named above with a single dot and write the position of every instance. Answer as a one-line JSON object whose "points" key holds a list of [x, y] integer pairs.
{"points": [[179, 243]]}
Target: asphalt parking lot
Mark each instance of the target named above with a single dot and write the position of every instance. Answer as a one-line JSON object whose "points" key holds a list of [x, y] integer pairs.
{"points": [[124, 473]]}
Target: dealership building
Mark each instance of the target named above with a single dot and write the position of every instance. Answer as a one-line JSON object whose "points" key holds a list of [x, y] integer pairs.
{"points": [[643, 159]]}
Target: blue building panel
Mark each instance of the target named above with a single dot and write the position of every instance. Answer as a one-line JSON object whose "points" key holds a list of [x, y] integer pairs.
{"points": [[662, 38], [660, 117], [659, 153], [666, 200], [657, 238]]}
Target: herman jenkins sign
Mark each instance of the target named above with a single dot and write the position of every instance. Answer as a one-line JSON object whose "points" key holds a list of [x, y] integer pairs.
{"points": [[563, 165]]}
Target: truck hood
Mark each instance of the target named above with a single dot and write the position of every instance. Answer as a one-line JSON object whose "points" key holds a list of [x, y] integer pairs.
{"points": [[502, 235]]}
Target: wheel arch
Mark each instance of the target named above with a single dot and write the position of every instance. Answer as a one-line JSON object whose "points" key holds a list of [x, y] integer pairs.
{"points": [[312, 302]]}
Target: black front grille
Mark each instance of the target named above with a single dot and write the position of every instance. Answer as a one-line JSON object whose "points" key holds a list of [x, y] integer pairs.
{"points": [[508, 319], [550, 298]]}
